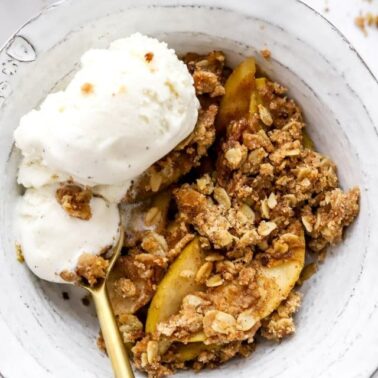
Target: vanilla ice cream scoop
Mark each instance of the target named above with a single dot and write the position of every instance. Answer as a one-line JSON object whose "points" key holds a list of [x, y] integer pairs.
{"points": [[52, 241], [126, 108]]}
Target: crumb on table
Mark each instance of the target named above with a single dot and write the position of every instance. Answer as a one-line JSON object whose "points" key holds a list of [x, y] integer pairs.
{"points": [[367, 20], [266, 53], [19, 254]]}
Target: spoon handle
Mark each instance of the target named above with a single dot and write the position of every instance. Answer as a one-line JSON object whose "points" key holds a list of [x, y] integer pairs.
{"points": [[113, 341]]}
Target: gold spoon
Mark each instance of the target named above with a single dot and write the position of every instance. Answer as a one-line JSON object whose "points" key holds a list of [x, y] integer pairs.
{"points": [[113, 341]]}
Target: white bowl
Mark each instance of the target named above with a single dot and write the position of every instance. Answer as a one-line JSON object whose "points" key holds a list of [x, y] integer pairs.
{"points": [[43, 335]]}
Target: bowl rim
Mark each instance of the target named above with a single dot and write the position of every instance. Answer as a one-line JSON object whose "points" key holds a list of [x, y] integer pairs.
{"points": [[58, 3]]}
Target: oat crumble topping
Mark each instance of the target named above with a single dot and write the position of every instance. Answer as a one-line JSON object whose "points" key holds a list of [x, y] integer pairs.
{"points": [[222, 224], [75, 200]]}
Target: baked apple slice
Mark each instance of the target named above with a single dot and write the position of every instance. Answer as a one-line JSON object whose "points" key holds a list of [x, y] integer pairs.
{"points": [[175, 285], [285, 274], [238, 88]]}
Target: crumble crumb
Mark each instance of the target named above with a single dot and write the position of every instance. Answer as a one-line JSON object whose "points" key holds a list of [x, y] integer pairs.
{"points": [[360, 23], [155, 244], [68, 276], [101, 343], [75, 200], [19, 254], [125, 287], [91, 268], [367, 20], [280, 324], [130, 327], [179, 246], [207, 71], [266, 54]]}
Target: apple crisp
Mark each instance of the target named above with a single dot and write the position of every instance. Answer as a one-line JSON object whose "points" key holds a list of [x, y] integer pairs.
{"points": [[217, 231]]}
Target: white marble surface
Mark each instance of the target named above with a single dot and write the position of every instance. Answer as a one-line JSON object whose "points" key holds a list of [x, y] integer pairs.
{"points": [[13, 13]]}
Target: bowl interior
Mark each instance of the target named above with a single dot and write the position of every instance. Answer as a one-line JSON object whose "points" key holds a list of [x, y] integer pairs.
{"points": [[57, 335]]}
